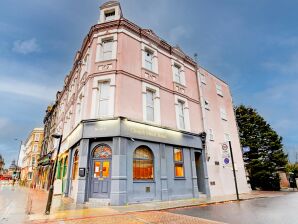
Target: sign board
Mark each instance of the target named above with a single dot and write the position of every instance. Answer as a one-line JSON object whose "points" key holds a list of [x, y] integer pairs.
{"points": [[82, 172], [226, 155]]}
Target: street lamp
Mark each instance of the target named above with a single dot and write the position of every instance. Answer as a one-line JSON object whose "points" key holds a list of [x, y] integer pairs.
{"points": [[17, 168], [51, 190]]}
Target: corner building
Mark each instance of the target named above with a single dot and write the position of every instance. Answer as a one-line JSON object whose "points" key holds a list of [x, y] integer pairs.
{"points": [[131, 118]]}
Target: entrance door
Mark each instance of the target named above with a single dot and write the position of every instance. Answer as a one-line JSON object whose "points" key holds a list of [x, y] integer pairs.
{"points": [[101, 172], [101, 178]]}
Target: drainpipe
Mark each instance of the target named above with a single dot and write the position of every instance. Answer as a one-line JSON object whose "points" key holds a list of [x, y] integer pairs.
{"points": [[206, 155]]}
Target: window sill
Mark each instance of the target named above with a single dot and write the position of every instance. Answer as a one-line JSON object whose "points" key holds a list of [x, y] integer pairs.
{"points": [[179, 178], [103, 61], [143, 181], [180, 84], [221, 95], [148, 70]]}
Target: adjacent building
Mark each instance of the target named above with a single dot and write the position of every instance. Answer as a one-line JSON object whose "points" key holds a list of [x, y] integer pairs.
{"points": [[31, 153], [133, 119], [2, 164]]}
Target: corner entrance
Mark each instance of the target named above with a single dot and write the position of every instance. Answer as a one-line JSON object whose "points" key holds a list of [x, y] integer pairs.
{"points": [[101, 171]]}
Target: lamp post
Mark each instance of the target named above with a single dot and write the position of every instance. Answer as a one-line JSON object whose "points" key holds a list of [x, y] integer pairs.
{"points": [[17, 168], [51, 190]]}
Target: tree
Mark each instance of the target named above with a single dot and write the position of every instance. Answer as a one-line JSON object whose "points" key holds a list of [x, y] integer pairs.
{"points": [[266, 155]]}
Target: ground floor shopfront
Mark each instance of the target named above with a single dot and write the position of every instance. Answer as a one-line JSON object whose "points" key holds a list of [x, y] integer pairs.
{"points": [[120, 161]]}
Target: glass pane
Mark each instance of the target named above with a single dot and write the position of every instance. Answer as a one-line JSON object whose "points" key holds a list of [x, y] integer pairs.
{"points": [[102, 151], [105, 169], [143, 169], [178, 155], [181, 122], [96, 169], [149, 98], [103, 107], [150, 114], [104, 88], [179, 171]]}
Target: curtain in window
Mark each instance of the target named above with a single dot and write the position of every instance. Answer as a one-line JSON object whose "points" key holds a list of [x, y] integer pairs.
{"points": [[143, 167]]}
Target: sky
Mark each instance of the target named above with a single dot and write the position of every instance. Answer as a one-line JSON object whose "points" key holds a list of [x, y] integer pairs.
{"points": [[252, 45]]}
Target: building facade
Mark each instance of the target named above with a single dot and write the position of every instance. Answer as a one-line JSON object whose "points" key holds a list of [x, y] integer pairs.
{"points": [[32, 148], [221, 127], [131, 119], [2, 164]]}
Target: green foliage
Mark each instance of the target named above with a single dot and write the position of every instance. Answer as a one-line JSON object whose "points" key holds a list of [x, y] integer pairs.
{"points": [[292, 168], [266, 155]]}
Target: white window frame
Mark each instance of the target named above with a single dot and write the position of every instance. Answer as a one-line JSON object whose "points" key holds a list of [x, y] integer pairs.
{"points": [[80, 106], [211, 134], [85, 67], [180, 66], [144, 49], [35, 148], [185, 111], [223, 114], [109, 18], [156, 116], [99, 49], [95, 88], [203, 78], [36, 137], [219, 89]]}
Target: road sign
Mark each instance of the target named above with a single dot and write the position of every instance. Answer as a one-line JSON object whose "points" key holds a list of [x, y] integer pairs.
{"points": [[226, 155]]}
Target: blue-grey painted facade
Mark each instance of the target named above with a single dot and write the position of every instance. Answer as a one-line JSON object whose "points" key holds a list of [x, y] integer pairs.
{"points": [[123, 137]]}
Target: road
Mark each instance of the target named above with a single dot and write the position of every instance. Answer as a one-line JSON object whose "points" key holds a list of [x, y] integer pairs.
{"points": [[13, 203], [276, 210]]}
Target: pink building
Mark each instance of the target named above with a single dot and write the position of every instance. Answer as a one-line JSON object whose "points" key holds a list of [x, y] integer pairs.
{"points": [[132, 122]]}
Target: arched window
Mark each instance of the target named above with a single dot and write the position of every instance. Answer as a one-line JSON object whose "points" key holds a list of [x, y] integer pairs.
{"points": [[102, 152], [75, 167], [143, 164]]}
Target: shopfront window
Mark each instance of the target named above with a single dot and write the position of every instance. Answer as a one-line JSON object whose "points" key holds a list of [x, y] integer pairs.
{"points": [[143, 164], [178, 162], [65, 166], [75, 167]]}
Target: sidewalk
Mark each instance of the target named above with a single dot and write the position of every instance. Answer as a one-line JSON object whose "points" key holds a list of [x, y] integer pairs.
{"points": [[65, 209]]}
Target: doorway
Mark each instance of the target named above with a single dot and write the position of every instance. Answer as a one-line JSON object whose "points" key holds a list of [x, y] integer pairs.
{"points": [[200, 171], [101, 171]]}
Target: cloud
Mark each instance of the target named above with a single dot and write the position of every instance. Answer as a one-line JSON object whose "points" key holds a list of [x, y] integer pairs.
{"points": [[29, 89], [288, 67], [26, 46]]}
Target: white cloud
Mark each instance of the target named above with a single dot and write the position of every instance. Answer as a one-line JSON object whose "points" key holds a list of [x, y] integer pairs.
{"points": [[288, 67], [26, 46], [29, 89]]}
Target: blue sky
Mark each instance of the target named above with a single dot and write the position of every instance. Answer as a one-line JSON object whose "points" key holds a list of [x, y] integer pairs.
{"points": [[253, 45]]}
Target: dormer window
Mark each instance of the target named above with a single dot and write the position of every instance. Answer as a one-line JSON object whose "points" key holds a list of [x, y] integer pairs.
{"points": [[109, 15]]}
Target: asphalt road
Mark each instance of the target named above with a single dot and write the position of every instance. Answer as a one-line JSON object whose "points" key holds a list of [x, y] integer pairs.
{"points": [[276, 210]]}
